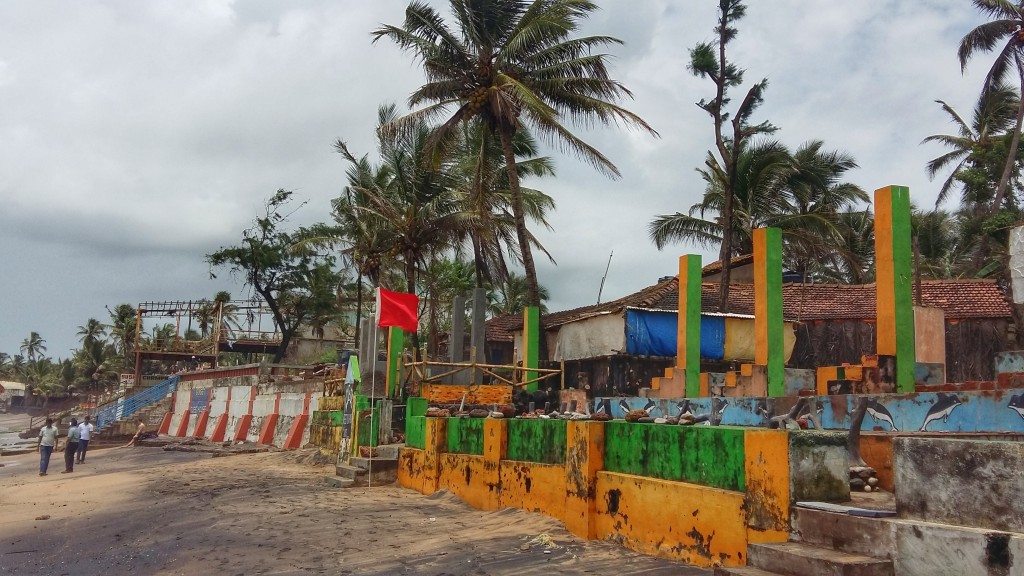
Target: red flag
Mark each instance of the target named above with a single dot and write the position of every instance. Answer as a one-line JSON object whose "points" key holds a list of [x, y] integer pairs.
{"points": [[397, 309]]}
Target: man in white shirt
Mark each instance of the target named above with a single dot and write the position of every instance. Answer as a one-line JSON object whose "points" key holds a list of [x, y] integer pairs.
{"points": [[85, 429], [47, 444]]}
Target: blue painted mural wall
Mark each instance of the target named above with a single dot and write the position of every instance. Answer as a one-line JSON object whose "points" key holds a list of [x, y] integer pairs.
{"points": [[975, 411]]}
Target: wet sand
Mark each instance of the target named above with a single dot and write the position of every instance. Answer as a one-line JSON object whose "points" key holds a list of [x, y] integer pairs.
{"points": [[147, 511]]}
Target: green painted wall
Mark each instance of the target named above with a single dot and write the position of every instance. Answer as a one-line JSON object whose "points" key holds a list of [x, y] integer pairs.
{"points": [[396, 342], [369, 427], [706, 455], [327, 417], [694, 277], [466, 435], [531, 319], [536, 440], [416, 432], [415, 406]]}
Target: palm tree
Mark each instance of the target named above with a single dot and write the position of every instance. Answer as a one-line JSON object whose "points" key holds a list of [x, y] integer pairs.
{"points": [[1004, 29], [33, 345], [92, 331], [486, 199], [511, 297], [975, 146], [508, 63], [122, 330]]}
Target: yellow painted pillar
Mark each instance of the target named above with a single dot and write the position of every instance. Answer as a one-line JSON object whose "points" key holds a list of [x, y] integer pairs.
{"points": [[766, 467], [495, 448], [433, 446], [584, 458]]}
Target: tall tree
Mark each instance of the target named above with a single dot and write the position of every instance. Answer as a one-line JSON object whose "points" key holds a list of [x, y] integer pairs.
{"points": [[510, 63], [1002, 31], [294, 283], [33, 346], [979, 149], [92, 331], [732, 131]]}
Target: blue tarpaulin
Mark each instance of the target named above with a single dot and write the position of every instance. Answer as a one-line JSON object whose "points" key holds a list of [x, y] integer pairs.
{"points": [[653, 333]]}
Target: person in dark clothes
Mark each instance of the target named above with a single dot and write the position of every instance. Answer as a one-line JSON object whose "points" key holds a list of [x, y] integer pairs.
{"points": [[71, 446]]}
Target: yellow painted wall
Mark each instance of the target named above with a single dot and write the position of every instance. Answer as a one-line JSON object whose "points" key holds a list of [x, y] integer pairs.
{"points": [[696, 524], [471, 479], [533, 487], [739, 339], [411, 470]]}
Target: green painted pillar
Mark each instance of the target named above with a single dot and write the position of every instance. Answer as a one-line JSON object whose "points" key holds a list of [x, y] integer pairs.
{"points": [[769, 347], [531, 345], [894, 282], [688, 328], [396, 345]]}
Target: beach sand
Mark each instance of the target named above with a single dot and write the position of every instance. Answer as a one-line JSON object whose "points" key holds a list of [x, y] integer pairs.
{"points": [[146, 511]]}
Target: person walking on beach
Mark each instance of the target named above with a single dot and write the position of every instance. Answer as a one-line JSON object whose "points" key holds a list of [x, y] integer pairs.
{"points": [[47, 444], [71, 446], [85, 431]]}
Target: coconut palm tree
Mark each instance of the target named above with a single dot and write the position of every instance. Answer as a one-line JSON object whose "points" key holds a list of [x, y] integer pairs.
{"points": [[979, 147], [92, 331], [33, 345], [510, 63], [486, 199], [510, 296], [1002, 32]]}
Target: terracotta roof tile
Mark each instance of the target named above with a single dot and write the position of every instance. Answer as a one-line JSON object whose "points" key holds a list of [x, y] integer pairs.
{"points": [[959, 299]]}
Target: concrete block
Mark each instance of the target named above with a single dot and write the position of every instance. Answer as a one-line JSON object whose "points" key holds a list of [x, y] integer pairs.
{"points": [[818, 466], [1009, 361], [926, 549], [961, 482], [845, 533], [797, 558], [797, 379]]}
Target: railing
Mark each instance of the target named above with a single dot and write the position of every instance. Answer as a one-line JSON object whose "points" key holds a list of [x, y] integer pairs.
{"points": [[126, 407], [513, 375]]}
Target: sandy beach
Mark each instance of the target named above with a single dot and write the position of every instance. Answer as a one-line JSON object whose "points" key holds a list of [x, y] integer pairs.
{"points": [[147, 511]]}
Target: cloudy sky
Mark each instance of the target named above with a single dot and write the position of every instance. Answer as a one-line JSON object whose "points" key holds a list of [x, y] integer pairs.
{"points": [[137, 136]]}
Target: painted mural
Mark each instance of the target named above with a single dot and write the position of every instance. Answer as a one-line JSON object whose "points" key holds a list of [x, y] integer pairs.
{"points": [[973, 411]]}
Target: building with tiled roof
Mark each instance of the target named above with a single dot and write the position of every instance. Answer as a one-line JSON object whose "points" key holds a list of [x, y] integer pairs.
{"points": [[836, 322]]}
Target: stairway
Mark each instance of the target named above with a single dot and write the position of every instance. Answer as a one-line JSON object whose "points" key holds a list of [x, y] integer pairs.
{"points": [[826, 541], [144, 402], [376, 471]]}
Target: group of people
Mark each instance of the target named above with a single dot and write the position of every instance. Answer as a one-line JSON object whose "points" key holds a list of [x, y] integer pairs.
{"points": [[76, 444]]}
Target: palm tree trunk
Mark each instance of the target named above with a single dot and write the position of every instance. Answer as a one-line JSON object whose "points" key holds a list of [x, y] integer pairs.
{"points": [[1011, 157], [725, 254], [532, 289], [410, 285], [359, 305]]}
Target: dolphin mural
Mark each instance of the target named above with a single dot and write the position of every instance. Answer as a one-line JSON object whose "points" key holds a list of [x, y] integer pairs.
{"points": [[943, 407], [1017, 404], [881, 413]]}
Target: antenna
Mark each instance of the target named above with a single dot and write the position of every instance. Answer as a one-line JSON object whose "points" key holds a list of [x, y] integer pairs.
{"points": [[605, 277]]}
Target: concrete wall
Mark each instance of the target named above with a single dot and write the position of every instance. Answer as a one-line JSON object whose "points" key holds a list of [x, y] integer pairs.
{"points": [[589, 338], [689, 521], [962, 482], [239, 407]]}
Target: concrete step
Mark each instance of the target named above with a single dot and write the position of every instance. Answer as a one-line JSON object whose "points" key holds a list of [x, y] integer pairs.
{"points": [[798, 559], [337, 482], [844, 532], [743, 571], [377, 463], [350, 472]]}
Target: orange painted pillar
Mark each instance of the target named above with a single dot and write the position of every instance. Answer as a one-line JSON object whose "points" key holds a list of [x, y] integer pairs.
{"points": [[584, 458], [766, 467], [434, 445], [495, 449]]}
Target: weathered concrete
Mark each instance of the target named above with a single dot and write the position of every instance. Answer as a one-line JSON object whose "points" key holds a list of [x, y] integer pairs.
{"points": [[844, 532], [818, 466], [961, 482], [926, 549], [797, 558]]}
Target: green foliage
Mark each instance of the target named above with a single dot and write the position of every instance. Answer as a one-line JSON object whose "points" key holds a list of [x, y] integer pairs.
{"points": [[296, 282]]}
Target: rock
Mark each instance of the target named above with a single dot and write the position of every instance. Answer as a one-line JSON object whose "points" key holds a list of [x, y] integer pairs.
{"points": [[857, 484], [873, 481], [497, 414], [601, 417], [661, 420], [867, 488], [635, 415], [43, 517], [645, 420], [579, 416], [672, 420], [478, 413]]}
